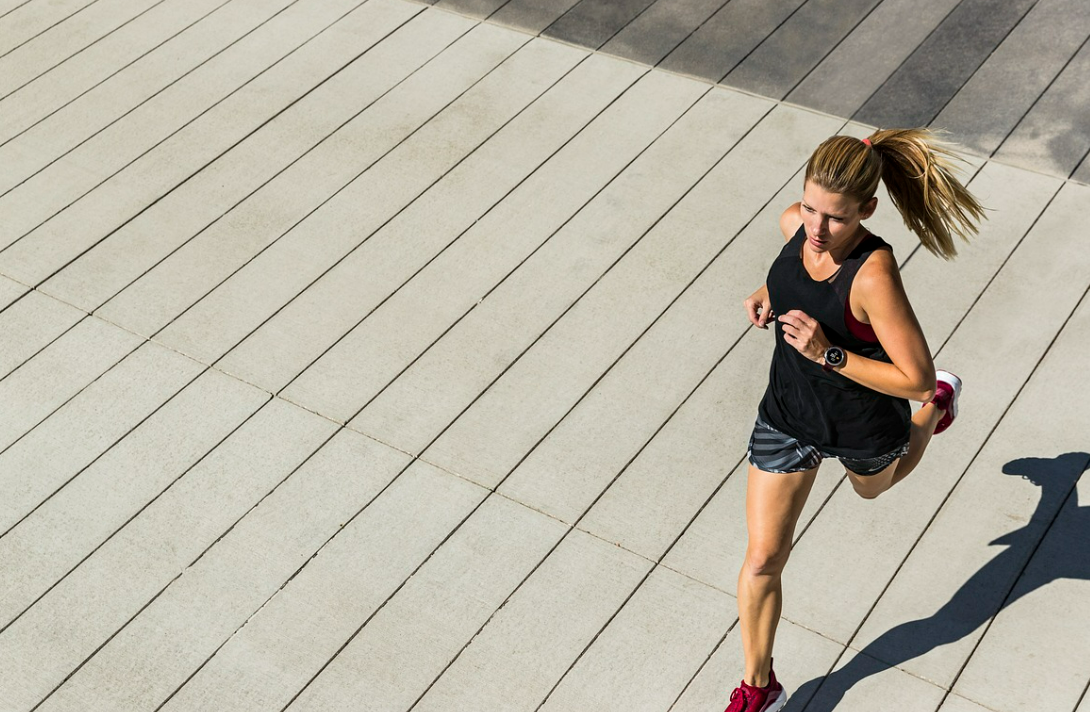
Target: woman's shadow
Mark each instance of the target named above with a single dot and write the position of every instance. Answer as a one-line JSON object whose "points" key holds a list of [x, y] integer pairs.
{"points": [[1000, 582]]}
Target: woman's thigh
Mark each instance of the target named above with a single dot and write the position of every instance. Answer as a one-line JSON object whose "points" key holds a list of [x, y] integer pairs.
{"points": [[870, 486], [774, 502]]}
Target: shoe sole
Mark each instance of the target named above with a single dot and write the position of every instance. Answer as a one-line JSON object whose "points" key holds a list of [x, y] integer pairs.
{"points": [[955, 382], [778, 704]]}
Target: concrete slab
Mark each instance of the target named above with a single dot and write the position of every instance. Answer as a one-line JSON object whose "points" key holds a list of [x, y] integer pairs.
{"points": [[916, 93], [567, 471], [477, 9], [531, 641], [57, 129], [70, 511], [536, 211], [1045, 611], [412, 640], [31, 324], [801, 655], [997, 96], [791, 52], [359, 367], [293, 637], [660, 28], [326, 207], [10, 291], [858, 65], [21, 21], [159, 649], [290, 265], [1055, 135], [957, 703], [529, 15], [46, 644], [301, 146], [428, 232], [602, 234], [65, 40], [63, 369], [98, 62], [228, 117], [1082, 173], [591, 23], [646, 655], [702, 224], [881, 687], [727, 37]]}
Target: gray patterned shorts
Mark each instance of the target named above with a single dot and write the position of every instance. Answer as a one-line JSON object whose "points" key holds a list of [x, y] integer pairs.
{"points": [[773, 451]]}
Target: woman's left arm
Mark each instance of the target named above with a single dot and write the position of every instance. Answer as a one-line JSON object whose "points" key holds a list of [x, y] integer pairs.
{"points": [[881, 295]]}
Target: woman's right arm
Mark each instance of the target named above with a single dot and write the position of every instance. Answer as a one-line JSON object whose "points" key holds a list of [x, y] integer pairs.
{"points": [[758, 306]]}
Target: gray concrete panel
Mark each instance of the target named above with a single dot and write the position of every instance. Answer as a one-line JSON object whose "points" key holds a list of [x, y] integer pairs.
{"points": [[410, 642], [786, 56], [310, 51], [41, 648], [290, 265], [800, 655], [916, 93], [286, 643], [1008, 84], [866, 58], [477, 9], [10, 291], [58, 131], [25, 21], [78, 433], [883, 687], [591, 23], [312, 136], [87, 510], [560, 607], [645, 656], [156, 652], [531, 15], [59, 372], [721, 43], [1081, 174], [294, 338], [65, 40], [31, 324], [98, 62], [660, 29], [1054, 136]]}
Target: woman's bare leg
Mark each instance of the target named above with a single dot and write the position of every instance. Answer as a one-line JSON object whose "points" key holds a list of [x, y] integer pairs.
{"points": [[923, 427], [773, 505]]}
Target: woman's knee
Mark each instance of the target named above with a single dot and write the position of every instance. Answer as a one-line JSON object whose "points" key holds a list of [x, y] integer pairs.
{"points": [[867, 489], [765, 560]]}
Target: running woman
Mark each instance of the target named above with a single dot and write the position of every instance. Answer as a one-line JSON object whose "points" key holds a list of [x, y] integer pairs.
{"points": [[849, 356]]}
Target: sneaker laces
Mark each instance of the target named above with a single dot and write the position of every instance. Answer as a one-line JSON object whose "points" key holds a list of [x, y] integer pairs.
{"points": [[739, 692]]}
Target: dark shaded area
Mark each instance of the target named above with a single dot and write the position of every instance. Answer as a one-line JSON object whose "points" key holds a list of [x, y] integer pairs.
{"points": [[1000, 582], [934, 73], [533, 15], [592, 23], [797, 46], [660, 29]]}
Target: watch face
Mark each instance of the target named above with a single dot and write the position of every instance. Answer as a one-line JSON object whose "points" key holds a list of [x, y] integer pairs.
{"points": [[834, 356]]}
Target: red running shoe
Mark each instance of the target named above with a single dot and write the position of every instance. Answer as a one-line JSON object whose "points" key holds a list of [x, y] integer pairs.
{"points": [[747, 698], [947, 390]]}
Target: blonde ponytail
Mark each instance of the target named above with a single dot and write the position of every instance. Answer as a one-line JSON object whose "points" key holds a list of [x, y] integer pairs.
{"points": [[917, 169]]}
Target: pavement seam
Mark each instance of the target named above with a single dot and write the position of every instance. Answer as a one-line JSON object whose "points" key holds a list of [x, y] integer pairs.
{"points": [[47, 29], [82, 49], [205, 111], [149, 98]]}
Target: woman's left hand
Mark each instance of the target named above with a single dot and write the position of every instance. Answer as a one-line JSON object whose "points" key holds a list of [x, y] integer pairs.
{"points": [[805, 334]]}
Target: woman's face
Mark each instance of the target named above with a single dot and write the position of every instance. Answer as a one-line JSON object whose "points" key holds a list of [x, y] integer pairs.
{"points": [[832, 220]]}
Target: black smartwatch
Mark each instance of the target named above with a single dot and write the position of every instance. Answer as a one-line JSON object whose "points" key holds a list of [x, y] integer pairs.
{"points": [[834, 358]]}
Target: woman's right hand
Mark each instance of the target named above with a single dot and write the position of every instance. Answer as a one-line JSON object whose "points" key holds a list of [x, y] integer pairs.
{"points": [[759, 308]]}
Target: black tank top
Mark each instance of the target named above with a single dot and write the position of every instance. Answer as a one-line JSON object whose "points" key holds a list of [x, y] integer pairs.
{"points": [[818, 407]]}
